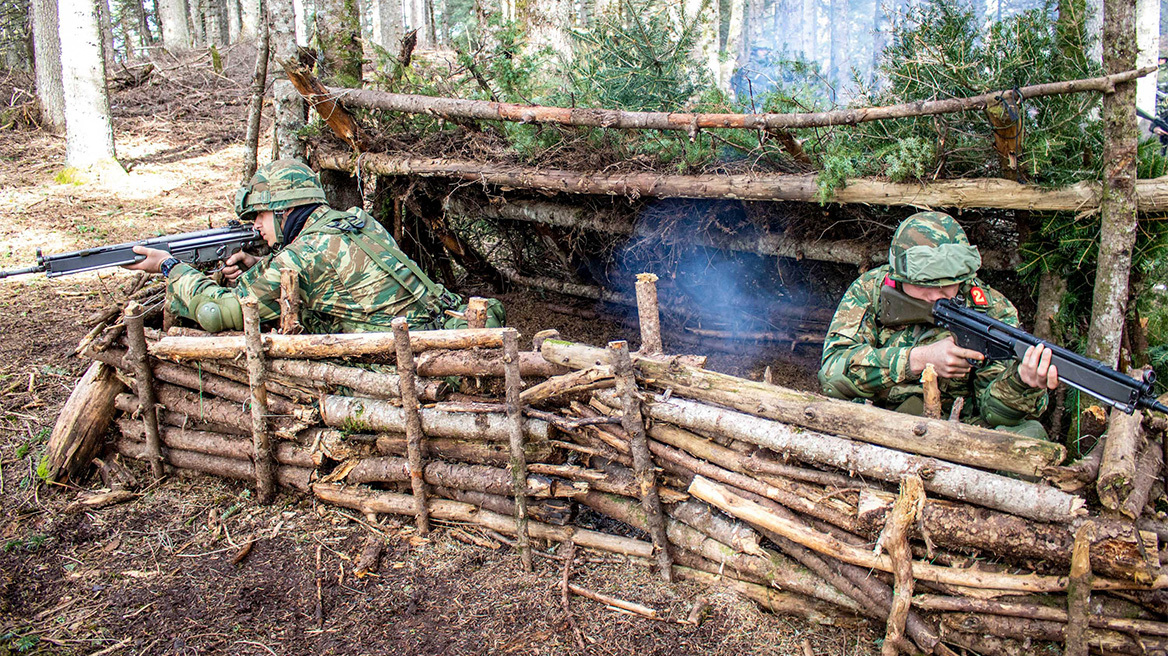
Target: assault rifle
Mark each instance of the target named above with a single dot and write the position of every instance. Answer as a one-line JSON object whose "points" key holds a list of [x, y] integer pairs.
{"points": [[999, 341], [191, 247]]}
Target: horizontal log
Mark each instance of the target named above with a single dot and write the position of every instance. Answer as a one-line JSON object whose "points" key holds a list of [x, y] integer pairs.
{"points": [[1036, 612], [211, 410], [339, 345], [1010, 495], [776, 601], [371, 415], [1100, 640], [1117, 551], [495, 454], [373, 384], [457, 108], [557, 512], [754, 514], [369, 501], [476, 362], [575, 217], [477, 478], [952, 441], [297, 478], [964, 193], [218, 444]]}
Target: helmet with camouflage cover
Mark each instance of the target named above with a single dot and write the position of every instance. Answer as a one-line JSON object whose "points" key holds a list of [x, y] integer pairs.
{"points": [[279, 185], [931, 250]]}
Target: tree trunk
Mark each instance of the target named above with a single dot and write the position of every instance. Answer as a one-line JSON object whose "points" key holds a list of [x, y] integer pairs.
{"points": [[289, 108], [107, 33], [89, 134], [809, 30], [197, 15], [251, 13], [82, 423], [173, 16], [387, 24], [956, 442], [47, 45], [729, 57], [259, 83], [339, 32], [1118, 222], [962, 193], [1117, 470], [705, 19], [1148, 53]]}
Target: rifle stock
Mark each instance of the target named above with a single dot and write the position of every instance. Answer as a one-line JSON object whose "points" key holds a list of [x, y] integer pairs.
{"points": [[1000, 341]]}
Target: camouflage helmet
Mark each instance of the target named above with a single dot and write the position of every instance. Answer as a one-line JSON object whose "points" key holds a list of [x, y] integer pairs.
{"points": [[931, 250], [279, 185]]}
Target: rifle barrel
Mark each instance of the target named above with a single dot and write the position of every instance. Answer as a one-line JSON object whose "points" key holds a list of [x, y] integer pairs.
{"points": [[21, 272]]}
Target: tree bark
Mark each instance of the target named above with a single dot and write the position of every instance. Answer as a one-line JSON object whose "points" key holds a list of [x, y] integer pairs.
{"points": [[263, 456], [339, 345], [82, 423], [138, 361], [1117, 471], [173, 19], [47, 49], [515, 434], [259, 82], [961, 193], [413, 423], [1149, 468], [1120, 202], [89, 139], [476, 452], [1079, 592], [962, 443], [338, 119], [222, 445], [297, 478], [894, 540], [453, 108]]}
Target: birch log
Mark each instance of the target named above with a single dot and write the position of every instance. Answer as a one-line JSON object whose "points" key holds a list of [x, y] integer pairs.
{"points": [[338, 345], [970, 445], [368, 415]]}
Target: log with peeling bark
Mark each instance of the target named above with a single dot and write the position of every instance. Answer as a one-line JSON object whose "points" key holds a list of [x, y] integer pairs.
{"points": [[970, 445], [456, 108], [297, 478], [263, 456], [1100, 640], [212, 410], [894, 540], [1011, 495], [325, 103], [1118, 551], [364, 415], [584, 380], [138, 362], [82, 423], [961, 193], [1117, 470], [340, 345], [1149, 469], [440, 363], [219, 444], [477, 478], [475, 452], [752, 513], [413, 422]]}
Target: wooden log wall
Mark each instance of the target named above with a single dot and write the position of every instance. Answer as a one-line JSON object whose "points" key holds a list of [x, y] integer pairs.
{"points": [[782, 494]]}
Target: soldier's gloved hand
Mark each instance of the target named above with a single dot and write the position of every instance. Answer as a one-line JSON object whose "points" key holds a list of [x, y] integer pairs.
{"points": [[1036, 370], [154, 259], [237, 263], [947, 358]]}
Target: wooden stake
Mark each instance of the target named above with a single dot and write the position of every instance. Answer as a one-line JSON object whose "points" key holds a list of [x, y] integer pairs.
{"points": [[139, 362], [649, 314], [290, 302], [265, 459], [932, 392], [476, 312], [895, 541], [515, 429], [1079, 592], [414, 435], [626, 387]]}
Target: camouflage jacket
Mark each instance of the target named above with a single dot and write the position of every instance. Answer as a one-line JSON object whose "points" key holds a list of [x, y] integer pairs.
{"points": [[342, 287], [865, 360]]}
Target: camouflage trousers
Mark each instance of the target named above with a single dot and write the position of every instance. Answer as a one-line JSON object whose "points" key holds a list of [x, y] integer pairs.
{"points": [[1031, 428]]}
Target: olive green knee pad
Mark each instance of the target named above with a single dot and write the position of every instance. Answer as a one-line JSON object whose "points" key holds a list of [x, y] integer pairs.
{"points": [[215, 314]]}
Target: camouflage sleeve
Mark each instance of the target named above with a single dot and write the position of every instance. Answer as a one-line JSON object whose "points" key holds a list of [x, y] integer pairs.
{"points": [[855, 364], [263, 280], [1003, 399], [184, 284]]}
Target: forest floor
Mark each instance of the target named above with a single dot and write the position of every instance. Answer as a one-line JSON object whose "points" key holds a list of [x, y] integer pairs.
{"points": [[159, 575]]}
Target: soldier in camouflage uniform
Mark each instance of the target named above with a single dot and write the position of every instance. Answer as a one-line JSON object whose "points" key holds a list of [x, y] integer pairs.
{"points": [[930, 258], [352, 276]]}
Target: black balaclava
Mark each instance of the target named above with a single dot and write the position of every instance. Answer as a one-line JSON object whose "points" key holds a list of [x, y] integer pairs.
{"points": [[294, 223]]}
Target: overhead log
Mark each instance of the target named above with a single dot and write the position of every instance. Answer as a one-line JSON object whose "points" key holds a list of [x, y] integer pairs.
{"points": [[456, 108], [960, 193], [777, 244], [970, 445]]}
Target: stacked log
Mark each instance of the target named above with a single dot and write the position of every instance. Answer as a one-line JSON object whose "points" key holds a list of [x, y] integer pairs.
{"points": [[787, 497]]}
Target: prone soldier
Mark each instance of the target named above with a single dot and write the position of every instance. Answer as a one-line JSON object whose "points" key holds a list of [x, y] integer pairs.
{"points": [[352, 276], [930, 258]]}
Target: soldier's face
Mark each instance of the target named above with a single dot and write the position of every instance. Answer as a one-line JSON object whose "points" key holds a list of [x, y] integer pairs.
{"points": [[265, 224], [930, 294]]}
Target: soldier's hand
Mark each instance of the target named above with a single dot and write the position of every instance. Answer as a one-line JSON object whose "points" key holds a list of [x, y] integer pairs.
{"points": [[947, 358], [237, 263], [1036, 369], [154, 259]]}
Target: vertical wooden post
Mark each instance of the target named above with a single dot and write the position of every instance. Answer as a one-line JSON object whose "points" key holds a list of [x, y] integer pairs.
{"points": [[515, 433], [407, 375], [932, 392], [289, 302], [1079, 591], [138, 361], [539, 338], [265, 459], [632, 422], [476, 312], [649, 313]]}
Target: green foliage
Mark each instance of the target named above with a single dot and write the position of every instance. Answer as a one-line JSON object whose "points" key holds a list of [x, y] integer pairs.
{"points": [[19, 643]]}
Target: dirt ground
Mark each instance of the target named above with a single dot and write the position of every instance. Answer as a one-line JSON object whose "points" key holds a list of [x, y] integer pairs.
{"points": [[158, 575]]}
